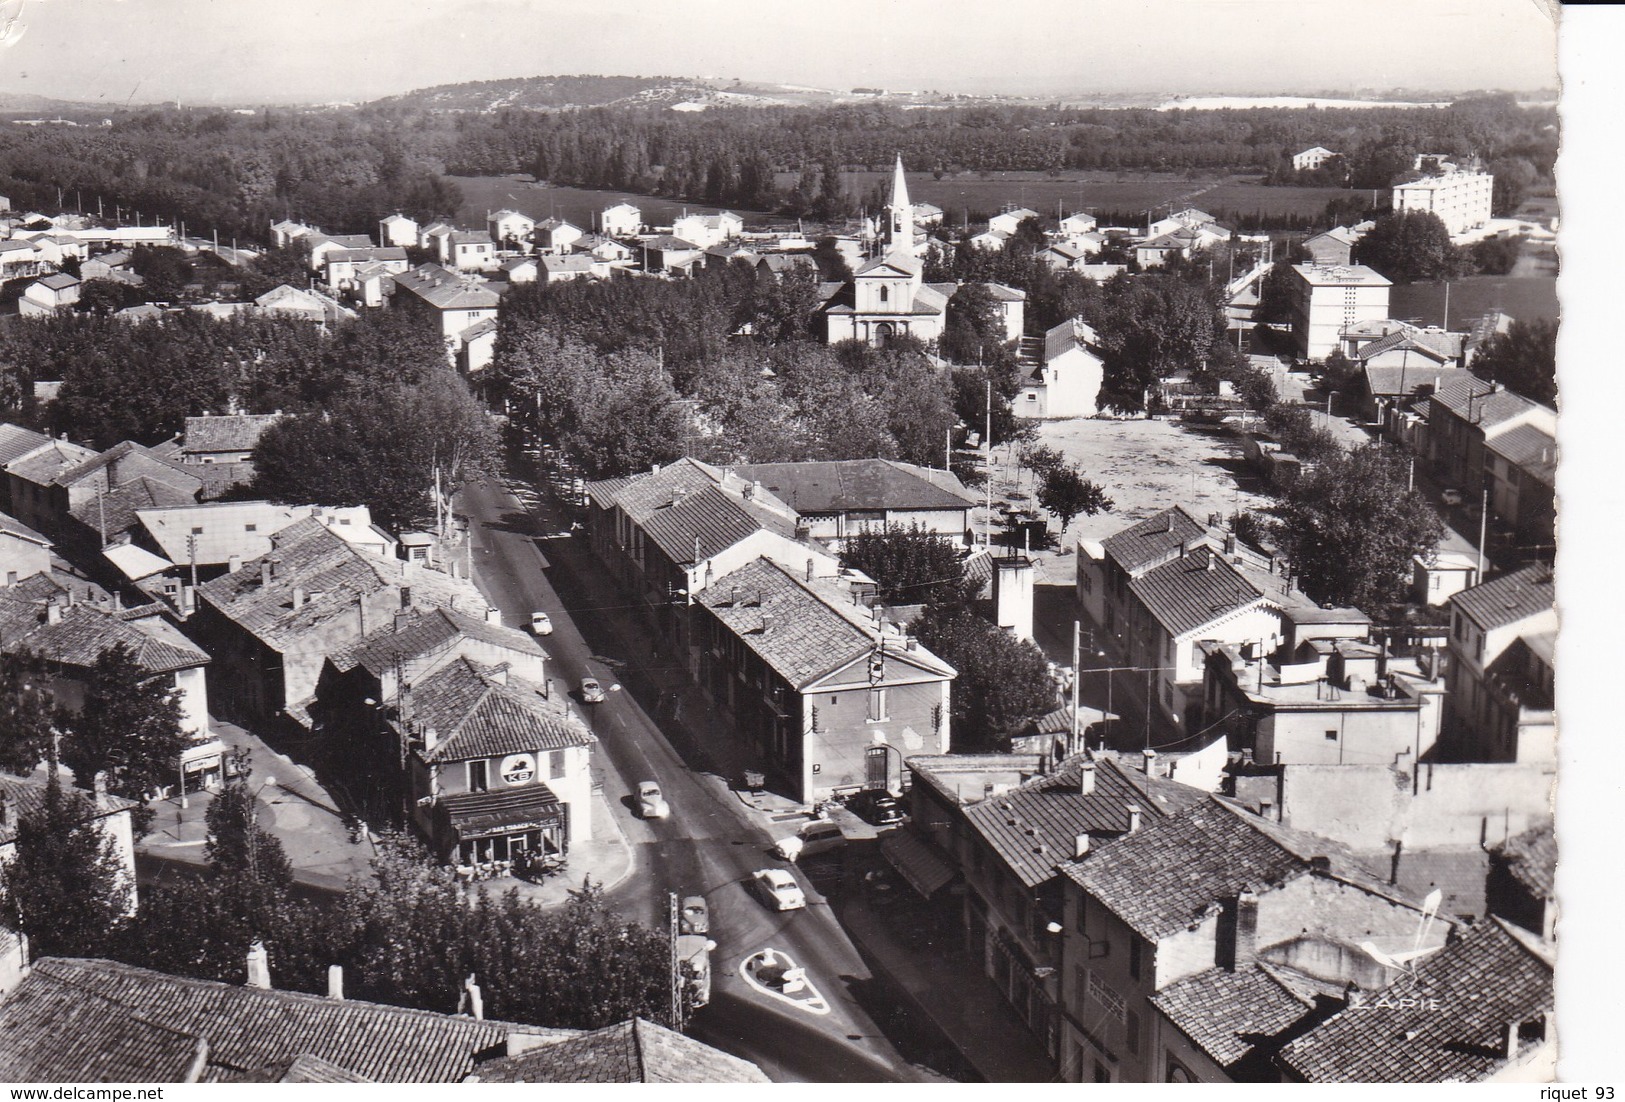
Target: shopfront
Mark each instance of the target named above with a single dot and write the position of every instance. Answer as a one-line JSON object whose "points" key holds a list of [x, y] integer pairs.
{"points": [[203, 765], [477, 827]]}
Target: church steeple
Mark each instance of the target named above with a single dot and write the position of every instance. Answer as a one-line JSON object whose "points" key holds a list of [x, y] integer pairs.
{"points": [[899, 213]]}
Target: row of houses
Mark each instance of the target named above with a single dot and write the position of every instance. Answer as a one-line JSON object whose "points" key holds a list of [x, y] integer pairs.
{"points": [[1293, 916]]}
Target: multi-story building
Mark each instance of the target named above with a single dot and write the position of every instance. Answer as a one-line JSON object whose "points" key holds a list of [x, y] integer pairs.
{"points": [[1461, 200], [1502, 636], [828, 697], [1326, 300]]}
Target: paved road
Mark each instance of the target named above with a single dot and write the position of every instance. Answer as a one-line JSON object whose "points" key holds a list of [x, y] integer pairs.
{"points": [[710, 845]]}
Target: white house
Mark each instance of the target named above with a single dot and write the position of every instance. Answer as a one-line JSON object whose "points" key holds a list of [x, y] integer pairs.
{"points": [[1076, 224], [990, 239], [50, 294], [706, 230], [511, 230], [1010, 219], [556, 236], [1068, 381], [468, 251], [1311, 158], [621, 220], [398, 231]]}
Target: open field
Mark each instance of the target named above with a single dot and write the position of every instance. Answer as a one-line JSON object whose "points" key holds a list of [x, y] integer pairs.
{"points": [[1144, 466]]}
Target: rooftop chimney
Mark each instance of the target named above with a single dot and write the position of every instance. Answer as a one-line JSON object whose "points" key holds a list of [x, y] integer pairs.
{"points": [[493, 616], [1133, 818], [298, 596], [11, 578], [8, 810], [1086, 779], [1080, 846], [476, 1001], [98, 787], [1150, 757], [1512, 1041], [1244, 933], [265, 573], [259, 966], [53, 611], [431, 739], [234, 563], [335, 981], [403, 617]]}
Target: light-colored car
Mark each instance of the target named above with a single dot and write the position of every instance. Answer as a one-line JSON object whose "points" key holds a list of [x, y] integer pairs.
{"points": [[591, 691], [541, 623], [779, 889], [812, 839], [695, 916], [694, 954], [651, 804], [1452, 497]]}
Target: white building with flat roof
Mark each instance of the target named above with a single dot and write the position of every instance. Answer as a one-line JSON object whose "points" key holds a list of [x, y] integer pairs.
{"points": [[1327, 299], [1460, 199]]}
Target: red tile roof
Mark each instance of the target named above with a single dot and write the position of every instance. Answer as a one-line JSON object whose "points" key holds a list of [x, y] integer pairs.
{"points": [[1154, 539], [1232, 1015], [477, 715], [1509, 598]]}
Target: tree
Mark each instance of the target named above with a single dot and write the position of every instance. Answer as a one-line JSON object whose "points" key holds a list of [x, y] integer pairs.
{"points": [[25, 713], [1066, 493], [1523, 359], [65, 887], [1152, 327], [1276, 290], [1349, 527], [1003, 683], [105, 296], [164, 270], [910, 565], [129, 727], [236, 845], [1409, 246], [973, 331]]}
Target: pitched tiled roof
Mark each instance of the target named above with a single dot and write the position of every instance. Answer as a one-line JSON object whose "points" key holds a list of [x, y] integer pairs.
{"points": [[640, 495], [706, 523], [86, 631], [667, 243], [1194, 590], [1450, 1023], [55, 1033], [1230, 1015], [42, 466], [475, 715], [1531, 449], [1175, 871], [630, 1052], [1154, 539], [825, 486], [128, 460], [333, 574], [1481, 403], [796, 630], [11, 526], [423, 632], [1509, 598], [1438, 345], [1531, 858], [16, 441], [236, 432], [300, 1069], [1033, 827], [1380, 380], [248, 1028], [27, 795], [1070, 334], [447, 290]]}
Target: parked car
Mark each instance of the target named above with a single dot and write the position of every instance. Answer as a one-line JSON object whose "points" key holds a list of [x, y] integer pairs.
{"points": [[651, 804], [1452, 497], [814, 838], [694, 952], [695, 916], [541, 623], [591, 691], [877, 806], [779, 889]]}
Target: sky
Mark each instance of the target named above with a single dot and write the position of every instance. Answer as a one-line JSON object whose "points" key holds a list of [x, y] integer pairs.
{"points": [[253, 51]]}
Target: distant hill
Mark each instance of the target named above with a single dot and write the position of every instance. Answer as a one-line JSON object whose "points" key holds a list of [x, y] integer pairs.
{"points": [[548, 93], [26, 103]]}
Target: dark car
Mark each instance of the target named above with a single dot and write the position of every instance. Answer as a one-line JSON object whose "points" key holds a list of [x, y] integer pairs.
{"points": [[877, 806]]}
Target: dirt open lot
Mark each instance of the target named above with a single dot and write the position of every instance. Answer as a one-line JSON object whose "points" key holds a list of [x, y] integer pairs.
{"points": [[1144, 466]]}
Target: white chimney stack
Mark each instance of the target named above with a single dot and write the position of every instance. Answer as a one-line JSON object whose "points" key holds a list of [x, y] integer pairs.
{"points": [[335, 981], [259, 966], [1133, 818], [1080, 846], [1086, 779]]}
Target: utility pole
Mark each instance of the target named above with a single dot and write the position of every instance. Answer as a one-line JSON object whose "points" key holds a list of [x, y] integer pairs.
{"points": [[1077, 676], [987, 445], [191, 556], [1483, 530], [676, 964]]}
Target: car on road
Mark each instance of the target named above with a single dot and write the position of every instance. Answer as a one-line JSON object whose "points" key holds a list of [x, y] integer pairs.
{"points": [[591, 691], [812, 839], [877, 807], [693, 952], [1452, 497], [651, 804], [779, 889], [541, 623], [694, 917]]}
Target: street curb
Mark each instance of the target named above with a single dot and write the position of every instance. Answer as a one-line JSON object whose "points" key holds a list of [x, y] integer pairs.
{"points": [[631, 854]]}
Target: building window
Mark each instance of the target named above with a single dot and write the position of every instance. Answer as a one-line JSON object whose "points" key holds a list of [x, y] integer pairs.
{"points": [[251, 528], [877, 705], [478, 780], [1331, 736], [555, 764]]}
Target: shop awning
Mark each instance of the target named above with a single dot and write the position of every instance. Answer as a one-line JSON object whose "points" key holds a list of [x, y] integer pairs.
{"points": [[135, 562], [916, 860], [478, 814]]}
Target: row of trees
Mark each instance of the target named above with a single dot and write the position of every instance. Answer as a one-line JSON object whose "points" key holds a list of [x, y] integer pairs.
{"points": [[345, 169], [409, 935]]}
